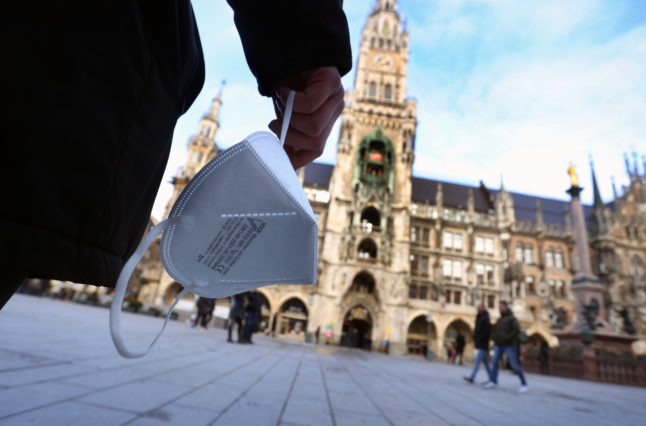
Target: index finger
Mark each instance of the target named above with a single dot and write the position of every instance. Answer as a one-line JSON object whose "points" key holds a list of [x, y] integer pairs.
{"points": [[322, 84]]}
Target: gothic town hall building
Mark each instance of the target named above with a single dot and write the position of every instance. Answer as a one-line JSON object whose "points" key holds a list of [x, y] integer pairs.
{"points": [[406, 260]]}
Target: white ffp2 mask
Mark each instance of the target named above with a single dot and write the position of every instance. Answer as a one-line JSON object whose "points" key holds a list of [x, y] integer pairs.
{"points": [[242, 222]]}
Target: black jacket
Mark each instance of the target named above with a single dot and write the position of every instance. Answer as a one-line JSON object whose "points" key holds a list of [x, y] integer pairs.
{"points": [[237, 306], [93, 90], [506, 330], [482, 331]]}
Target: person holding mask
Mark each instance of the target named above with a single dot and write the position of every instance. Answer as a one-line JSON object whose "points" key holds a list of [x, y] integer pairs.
{"points": [[95, 90]]}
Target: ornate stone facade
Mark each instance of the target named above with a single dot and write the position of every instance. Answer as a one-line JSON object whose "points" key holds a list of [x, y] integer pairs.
{"points": [[405, 260]]}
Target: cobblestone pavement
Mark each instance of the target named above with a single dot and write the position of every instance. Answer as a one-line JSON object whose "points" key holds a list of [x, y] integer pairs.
{"points": [[58, 367]]}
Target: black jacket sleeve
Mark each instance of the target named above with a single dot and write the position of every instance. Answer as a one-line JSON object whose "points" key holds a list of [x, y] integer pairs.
{"points": [[284, 37]]}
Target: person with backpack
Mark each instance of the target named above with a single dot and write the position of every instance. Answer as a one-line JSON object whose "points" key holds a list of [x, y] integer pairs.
{"points": [[505, 336]]}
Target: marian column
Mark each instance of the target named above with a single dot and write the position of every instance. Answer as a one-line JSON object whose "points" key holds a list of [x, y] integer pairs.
{"points": [[587, 288]]}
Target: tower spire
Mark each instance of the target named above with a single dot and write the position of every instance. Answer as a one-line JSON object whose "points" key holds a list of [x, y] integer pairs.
{"points": [[595, 186], [627, 163]]}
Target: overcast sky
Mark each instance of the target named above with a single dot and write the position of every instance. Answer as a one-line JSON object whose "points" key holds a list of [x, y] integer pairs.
{"points": [[504, 87]]}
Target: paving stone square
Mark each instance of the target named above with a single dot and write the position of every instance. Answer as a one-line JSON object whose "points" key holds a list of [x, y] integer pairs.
{"points": [[58, 367]]}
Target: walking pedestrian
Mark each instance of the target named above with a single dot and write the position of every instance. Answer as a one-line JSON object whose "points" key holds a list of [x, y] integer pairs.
{"points": [[460, 343], [505, 335], [481, 335], [453, 353], [252, 314], [205, 308], [236, 313], [543, 358], [317, 333], [112, 78]]}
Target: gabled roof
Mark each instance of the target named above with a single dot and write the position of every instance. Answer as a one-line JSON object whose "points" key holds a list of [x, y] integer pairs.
{"points": [[456, 195]]}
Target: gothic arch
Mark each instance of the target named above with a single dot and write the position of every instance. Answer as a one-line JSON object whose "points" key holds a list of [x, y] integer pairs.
{"points": [[370, 214], [292, 295], [292, 324], [417, 335], [449, 334], [535, 329], [367, 249], [363, 284], [171, 292]]}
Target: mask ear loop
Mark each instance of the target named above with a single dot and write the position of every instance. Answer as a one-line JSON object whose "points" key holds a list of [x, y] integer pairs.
{"points": [[122, 285], [288, 115]]}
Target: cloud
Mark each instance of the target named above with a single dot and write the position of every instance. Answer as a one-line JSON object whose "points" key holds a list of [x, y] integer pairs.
{"points": [[503, 87], [527, 113]]}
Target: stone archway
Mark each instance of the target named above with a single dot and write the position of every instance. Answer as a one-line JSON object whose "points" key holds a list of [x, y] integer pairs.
{"points": [[357, 328], [450, 337], [291, 320], [536, 339], [265, 313], [417, 336], [171, 293]]}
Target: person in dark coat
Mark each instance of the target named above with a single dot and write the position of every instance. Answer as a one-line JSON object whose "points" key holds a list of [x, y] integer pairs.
{"points": [[94, 90], [544, 358], [505, 336], [460, 343], [205, 308], [481, 339], [252, 315], [236, 314]]}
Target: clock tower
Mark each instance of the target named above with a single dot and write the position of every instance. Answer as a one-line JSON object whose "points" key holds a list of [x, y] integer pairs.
{"points": [[364, 255]]}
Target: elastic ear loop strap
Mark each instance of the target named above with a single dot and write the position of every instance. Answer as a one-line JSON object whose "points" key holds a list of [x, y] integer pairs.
{"points": [[288, 115], [120, 292]]}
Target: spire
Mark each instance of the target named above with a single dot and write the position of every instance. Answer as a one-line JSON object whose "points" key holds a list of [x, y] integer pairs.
{"points": [[386, 5], [595, 186], [614, 188], [635, 165], [627, 163], [644, 163], [216, 104], [502, 184]]}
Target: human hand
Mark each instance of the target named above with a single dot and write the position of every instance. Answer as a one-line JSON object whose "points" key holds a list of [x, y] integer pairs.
{"points": [[318, 102]]}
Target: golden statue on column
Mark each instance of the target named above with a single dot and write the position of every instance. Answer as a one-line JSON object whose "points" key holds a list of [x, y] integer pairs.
{"points": [[573, 176]]}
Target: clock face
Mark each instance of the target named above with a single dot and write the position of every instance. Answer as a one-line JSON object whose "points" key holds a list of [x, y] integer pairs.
{"points": [[384, 62]]}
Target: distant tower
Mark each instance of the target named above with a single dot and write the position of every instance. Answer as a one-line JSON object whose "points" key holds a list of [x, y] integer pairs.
{"points": [[201, 149]]}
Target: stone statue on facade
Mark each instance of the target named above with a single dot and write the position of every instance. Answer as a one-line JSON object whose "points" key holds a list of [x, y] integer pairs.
{"points": [[557, 317], [628, 326], [590, 313]]}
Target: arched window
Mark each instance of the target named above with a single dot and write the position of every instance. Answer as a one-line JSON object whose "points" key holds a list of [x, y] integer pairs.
{"points": [[558, 258], [388, 92], [363, 283], [519, 252], [370, 219], [549, 258], [372, 92], [367, 249]]}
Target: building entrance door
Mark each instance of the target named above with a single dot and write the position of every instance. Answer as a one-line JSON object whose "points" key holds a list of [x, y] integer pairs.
{"points": [[357, 329]]}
